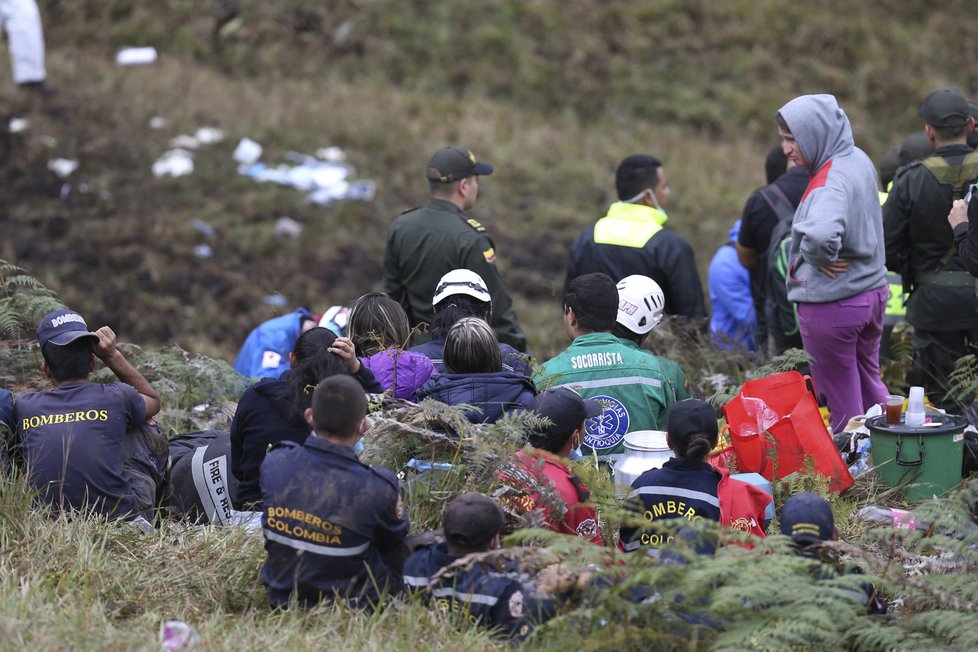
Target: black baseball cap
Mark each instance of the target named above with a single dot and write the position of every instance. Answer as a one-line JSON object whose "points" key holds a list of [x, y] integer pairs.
{"points": [[471, 521], [692, 417], [453, 163], [565, 409], [62, 327], [945, 107], [807, 517]]}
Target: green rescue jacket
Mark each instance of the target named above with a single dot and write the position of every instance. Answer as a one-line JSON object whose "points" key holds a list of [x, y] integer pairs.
{"points": [[636, 388]]}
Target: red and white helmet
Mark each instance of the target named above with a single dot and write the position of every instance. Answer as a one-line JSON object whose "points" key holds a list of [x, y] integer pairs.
{"points": [[640, 303]]}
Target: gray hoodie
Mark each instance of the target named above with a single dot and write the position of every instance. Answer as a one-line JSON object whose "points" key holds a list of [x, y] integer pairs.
{"points": [[839, 215]]}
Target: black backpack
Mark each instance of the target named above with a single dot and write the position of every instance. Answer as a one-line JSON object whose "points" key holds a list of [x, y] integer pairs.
{"points": [[781, 314]]}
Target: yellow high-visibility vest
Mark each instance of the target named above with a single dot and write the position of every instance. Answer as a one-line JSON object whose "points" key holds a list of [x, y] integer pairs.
{"points": [[629, 225]]}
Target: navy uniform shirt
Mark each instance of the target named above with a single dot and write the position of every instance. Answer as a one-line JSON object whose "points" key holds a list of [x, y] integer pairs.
{"points": [[680, 489], [327, 519], [72, 441], [484, 596]]}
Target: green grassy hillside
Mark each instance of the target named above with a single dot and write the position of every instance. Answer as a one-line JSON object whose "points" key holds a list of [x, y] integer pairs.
{"points": [[554, 94]]}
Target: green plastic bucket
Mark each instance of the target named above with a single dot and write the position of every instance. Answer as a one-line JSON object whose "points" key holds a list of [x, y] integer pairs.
{"points": [[926, 459]]}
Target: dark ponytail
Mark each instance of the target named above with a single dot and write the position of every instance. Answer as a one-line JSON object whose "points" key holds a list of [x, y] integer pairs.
{"points": [[697, 447], [313, 363]]}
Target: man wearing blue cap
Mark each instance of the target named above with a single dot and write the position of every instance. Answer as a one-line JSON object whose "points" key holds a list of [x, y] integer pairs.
{"points": [[425, 243], [807, 518], [91, 446]]}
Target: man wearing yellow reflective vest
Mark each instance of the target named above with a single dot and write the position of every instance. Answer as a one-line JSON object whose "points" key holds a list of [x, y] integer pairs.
{"points": [[632, 239]]}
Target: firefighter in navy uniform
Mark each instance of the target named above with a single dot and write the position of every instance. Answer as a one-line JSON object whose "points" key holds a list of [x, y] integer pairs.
{"points": [[484, 595], [334, 527], [632, 239], [942, 306], [424, 244]]}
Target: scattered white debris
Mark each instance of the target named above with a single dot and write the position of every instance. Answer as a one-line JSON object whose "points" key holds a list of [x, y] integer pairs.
{"points": [[157, 122], [184, 141], [363, 190], [204, 228], [277, 300], [135, 56], [48, 141], [17, 125], [286, 227], [203, 251], [247, 152], [178, 636], [331, 154], [209, 135], [63, 167], [175, 163], [325, 182]]}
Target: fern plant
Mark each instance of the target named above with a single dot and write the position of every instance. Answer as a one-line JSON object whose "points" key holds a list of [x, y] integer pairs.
{"points": [[23, 301]]}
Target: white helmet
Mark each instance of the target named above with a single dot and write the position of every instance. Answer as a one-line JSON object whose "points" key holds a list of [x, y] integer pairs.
{"points": [[640, 303], [461, 281], [336, 319]]}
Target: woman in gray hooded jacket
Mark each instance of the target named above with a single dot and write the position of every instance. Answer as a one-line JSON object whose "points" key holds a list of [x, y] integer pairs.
{"points": [[836, 273]]}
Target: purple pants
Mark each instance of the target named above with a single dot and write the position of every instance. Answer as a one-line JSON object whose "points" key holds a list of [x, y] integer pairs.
{"points": [[843, 338]]}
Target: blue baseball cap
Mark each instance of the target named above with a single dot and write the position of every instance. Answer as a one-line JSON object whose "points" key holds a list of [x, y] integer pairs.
{"points": [[807, 517], [62, 327]]}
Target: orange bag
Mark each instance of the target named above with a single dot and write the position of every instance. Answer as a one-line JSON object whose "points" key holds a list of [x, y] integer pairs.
{"points": [[788, 410]]}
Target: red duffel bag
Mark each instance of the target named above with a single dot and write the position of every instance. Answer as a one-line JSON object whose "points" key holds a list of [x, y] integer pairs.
{"points": [[785, 406]]}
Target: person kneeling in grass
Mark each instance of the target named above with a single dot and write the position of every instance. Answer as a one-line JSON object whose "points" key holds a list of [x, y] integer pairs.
{"points": [[807, 518], [687, 487], [334, 527], [476, 591], [544, 467]]}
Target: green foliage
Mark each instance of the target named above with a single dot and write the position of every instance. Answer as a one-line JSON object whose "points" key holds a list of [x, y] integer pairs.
{"points": [[554, 94], [964, 378], [790, 360], [196, 392], [23, 301], [896, 369]]}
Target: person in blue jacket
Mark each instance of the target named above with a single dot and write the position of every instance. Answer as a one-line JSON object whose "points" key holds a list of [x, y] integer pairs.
{"points": [[734, 321], [475, 375], [334, 527], [265, 352], [484, 593]]}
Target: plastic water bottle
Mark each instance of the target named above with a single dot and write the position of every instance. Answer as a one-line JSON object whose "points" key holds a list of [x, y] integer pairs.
{"points": [[915, 408]]}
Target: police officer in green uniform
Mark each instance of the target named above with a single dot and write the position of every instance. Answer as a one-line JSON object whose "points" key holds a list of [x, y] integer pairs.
{"points": [[424, 244], [942, 306], [636, 389]]}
